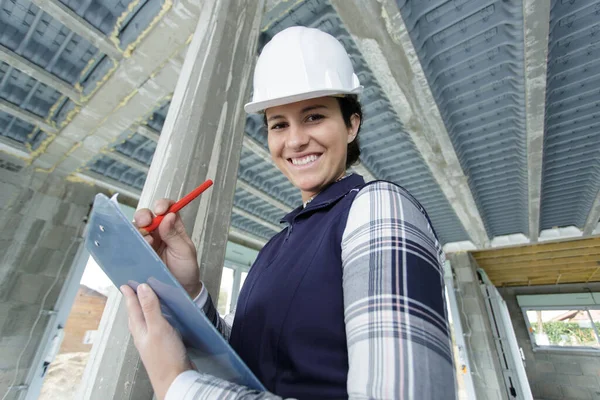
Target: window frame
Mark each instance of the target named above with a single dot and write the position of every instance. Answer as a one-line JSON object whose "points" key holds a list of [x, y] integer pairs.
{"points": [[237, 278], [536, 347]]}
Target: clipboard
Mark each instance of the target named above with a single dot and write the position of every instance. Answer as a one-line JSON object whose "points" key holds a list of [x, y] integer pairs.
{"points": [[127, 259]]}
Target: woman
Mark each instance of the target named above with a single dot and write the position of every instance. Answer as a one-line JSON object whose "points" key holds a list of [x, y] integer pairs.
{"points": [[347, 301]]}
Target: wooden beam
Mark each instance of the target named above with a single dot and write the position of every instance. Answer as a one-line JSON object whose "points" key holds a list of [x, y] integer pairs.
{"points": [[540, 262], [538, 248], [541, 271], [549, 280]]}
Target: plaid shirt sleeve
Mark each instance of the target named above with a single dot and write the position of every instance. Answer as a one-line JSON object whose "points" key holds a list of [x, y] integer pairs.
{"points": [[396, 324]]}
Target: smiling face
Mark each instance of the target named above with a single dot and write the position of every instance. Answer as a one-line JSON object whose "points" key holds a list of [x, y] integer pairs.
{"points": [[308, 141]]}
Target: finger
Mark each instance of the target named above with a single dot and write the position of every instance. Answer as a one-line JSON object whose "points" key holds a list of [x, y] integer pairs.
{"points": [[137, 323], [150, 306], [149, 239], [142, 217], [172, 232], [162, 205]]}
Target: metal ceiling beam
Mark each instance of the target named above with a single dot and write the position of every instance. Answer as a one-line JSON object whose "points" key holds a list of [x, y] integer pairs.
{"points": [[26, 116], [236, 235], [593, 217], [246, 239], [257, 149], [381, 36], [80, 26], [13, 147], [130, 162], [262, 195], [109, 184], [38, 73], [362, 170], [147, 132], [537, 22], [256, 219]]}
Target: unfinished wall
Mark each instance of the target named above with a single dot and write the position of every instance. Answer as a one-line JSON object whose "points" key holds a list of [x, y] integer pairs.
{"points": [[40, 214], [554, 374], [486, 370]]}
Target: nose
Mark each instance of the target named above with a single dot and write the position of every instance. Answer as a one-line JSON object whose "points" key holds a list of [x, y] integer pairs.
{"points": [[297, 137]]}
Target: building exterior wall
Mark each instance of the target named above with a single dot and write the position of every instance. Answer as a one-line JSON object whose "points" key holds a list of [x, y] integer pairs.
{"points": [[40, 215], [554, 374], [85, 316]]}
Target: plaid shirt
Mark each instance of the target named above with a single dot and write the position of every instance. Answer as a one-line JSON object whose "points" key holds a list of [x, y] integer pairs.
{"points": [[397, 330]]}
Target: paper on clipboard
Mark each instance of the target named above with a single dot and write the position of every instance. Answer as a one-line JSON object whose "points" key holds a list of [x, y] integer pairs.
{"points": [[127, 259]]}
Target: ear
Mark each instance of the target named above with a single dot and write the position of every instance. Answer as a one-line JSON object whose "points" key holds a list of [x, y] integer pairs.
{"points": [[353, 129]]}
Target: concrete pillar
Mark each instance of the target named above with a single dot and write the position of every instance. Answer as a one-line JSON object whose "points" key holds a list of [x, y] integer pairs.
{"points": [[486, 369], [201, 138], [41, 216]]}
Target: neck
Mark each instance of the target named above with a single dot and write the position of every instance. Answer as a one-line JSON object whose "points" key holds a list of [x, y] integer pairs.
{"points": [[307, 197]]}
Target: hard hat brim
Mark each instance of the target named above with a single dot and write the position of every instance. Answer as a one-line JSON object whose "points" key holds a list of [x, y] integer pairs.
{"points": [[259, 106]]}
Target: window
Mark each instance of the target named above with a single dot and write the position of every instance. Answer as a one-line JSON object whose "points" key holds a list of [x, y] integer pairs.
{"points": [[562, 320], [565, 327], [232, 280], [243, 279], [226, 291]]}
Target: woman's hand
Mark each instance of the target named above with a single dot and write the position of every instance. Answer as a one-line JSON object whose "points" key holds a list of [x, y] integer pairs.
{"points": [[172, 244], [159, 344]]}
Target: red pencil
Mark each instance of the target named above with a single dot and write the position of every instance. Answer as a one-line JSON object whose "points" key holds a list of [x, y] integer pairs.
{"points": [[179, 205]]}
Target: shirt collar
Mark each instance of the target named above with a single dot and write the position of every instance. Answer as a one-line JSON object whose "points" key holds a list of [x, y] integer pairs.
{"points": [[330, 194]]}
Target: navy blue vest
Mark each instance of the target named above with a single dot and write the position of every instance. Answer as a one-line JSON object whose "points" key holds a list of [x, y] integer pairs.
{"points": [[289, 322]]}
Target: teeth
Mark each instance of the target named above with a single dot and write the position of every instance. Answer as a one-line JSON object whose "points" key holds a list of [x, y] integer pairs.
{"points": [[305, 160]]}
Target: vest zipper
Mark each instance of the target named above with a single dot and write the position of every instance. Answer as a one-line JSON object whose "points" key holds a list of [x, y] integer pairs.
{"points": [[289, 232]]}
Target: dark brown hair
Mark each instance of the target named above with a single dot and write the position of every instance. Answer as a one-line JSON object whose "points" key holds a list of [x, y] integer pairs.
{"points": [[349, 105]]}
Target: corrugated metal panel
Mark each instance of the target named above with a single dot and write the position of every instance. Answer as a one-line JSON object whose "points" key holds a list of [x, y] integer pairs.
{"points": [[264, 176], [387, 150], [42, 40], [137, 147], [65, 107], [571, 173], [20, 131], [258, 207], [132, 16], [472, 56], [251, 227], [25, 92], [36, 36], [110, 168], [158, 116]]}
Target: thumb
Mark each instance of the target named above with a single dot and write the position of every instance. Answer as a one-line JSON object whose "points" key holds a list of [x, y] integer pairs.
{"points": [[150, 306], [173, 234]]}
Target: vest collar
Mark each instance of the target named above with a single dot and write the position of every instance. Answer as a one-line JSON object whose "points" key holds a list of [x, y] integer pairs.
{"points": [[332, 193]]}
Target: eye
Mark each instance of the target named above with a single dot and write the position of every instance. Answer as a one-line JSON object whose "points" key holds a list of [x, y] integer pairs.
{"points": [[314, 117], [278, 126]]}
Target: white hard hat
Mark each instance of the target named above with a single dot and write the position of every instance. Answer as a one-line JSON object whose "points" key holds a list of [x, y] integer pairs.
{"points": [[298, 64]]}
